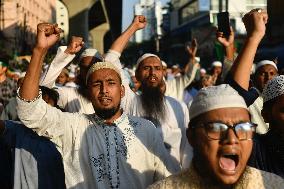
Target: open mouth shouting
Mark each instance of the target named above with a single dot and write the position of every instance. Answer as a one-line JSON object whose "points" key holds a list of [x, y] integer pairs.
{"points": [[229, 162]]}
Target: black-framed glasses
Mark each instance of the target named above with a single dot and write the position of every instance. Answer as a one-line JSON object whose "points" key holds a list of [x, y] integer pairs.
{"points": [[218, 130]]}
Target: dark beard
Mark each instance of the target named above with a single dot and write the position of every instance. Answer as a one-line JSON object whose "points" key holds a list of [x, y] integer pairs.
{"points": [[153, 103], [107, 113]]}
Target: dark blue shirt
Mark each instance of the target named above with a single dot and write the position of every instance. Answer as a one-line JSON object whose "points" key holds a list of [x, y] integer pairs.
{"points": [[34, 159]]}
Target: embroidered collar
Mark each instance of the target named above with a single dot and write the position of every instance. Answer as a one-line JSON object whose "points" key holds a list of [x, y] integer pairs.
{"points": [[101, 122]]}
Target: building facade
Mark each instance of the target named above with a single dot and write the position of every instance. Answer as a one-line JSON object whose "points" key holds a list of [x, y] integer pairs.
{"points": [[62, 19], [19, 19], [153, 11], [197, 19]]}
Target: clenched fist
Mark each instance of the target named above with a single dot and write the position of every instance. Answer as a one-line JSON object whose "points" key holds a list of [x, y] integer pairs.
{"points": [[47, 35], [75, 45]]}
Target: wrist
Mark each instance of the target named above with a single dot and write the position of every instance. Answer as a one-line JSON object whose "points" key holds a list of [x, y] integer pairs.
{"points": [[40, 50], [257, 37]]}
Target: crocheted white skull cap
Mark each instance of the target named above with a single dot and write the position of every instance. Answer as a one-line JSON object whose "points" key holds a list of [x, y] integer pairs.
{"points": [[216, 64], [215, 97], [273, 88], [102, 65], [144, 56], [265, 62]]}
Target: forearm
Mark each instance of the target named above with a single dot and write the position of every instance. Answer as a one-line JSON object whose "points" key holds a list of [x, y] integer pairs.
{"points": [[242, 67], [61, 60], [190, 63], [230, 50], [30, 88], [119, 44]]}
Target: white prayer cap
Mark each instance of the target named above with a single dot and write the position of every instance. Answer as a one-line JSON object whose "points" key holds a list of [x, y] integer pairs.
{"points": [[215, 97], [197, 59], [91, 52], [265, 62], [71, 74], [22, 74], [131, 72], [175, 66], [144, 56], [202, 70], [273, 88], [102, 65], [164, 64], [216, 64]]}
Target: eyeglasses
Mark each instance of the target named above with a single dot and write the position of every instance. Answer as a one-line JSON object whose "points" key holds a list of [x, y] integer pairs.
{"points": [[218, 131]]}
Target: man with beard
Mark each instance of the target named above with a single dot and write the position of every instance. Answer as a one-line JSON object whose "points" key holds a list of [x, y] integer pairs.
{"points": [[169, 115], [220, 133], [108, 149]]}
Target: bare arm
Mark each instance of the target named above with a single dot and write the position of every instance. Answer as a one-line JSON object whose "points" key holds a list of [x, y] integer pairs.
{"points": [[255, 25], [47, 35], [139, 22]]}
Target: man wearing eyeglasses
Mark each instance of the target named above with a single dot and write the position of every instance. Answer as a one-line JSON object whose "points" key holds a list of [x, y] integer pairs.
{"points": [[220, 133]]}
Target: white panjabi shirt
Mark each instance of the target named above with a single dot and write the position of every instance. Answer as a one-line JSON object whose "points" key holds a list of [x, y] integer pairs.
{"points": [[172, 129], [127, 154]]}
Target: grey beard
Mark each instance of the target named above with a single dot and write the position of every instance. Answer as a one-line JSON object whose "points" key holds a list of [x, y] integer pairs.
{"points": [[153, 104]]}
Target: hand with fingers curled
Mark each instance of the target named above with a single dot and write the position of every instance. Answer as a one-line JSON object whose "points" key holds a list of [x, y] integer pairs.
{"points": [[226, 41], [139, 22], [75, 45], [255, 22], [192, 49], [47, 35]]}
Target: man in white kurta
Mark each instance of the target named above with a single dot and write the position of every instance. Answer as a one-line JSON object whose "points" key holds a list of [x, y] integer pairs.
{"points": [[172, 128], [96, 155]]}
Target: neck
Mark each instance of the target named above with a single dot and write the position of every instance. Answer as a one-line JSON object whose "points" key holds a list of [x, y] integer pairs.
{"points": [[2, 77], [109, 121]]}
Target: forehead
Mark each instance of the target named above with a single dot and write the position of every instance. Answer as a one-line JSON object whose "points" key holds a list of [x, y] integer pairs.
{"points": [[225, 115], [104, 74], [151, 61], [266, 68], [86, 61]]}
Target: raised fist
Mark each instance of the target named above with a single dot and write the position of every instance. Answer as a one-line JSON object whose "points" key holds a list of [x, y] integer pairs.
{"points": [[139, 22], [47, 35], [75, 45], [255, 22]]}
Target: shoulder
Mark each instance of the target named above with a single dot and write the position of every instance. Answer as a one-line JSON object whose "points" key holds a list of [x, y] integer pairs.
{"points": [[179, 180], [269, 180], [141, 122], [176, 104]]}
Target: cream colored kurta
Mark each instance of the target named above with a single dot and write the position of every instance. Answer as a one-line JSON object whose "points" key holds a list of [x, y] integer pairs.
{"points": [[128, 154], [251, 179]]}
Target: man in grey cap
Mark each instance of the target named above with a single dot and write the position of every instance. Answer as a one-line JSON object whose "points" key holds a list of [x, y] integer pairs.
{"points": [[268, 151], [220, 133]]}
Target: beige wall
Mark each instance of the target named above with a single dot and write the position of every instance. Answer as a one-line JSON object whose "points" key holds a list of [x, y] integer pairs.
{"points": [[21, 17]]}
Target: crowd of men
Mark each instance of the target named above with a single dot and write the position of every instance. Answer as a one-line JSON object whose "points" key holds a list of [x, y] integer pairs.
{"points": [[106, 126]]}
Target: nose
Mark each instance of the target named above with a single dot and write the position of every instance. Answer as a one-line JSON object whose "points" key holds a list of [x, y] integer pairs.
{"points": [[103, 88], [230, 137]]}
